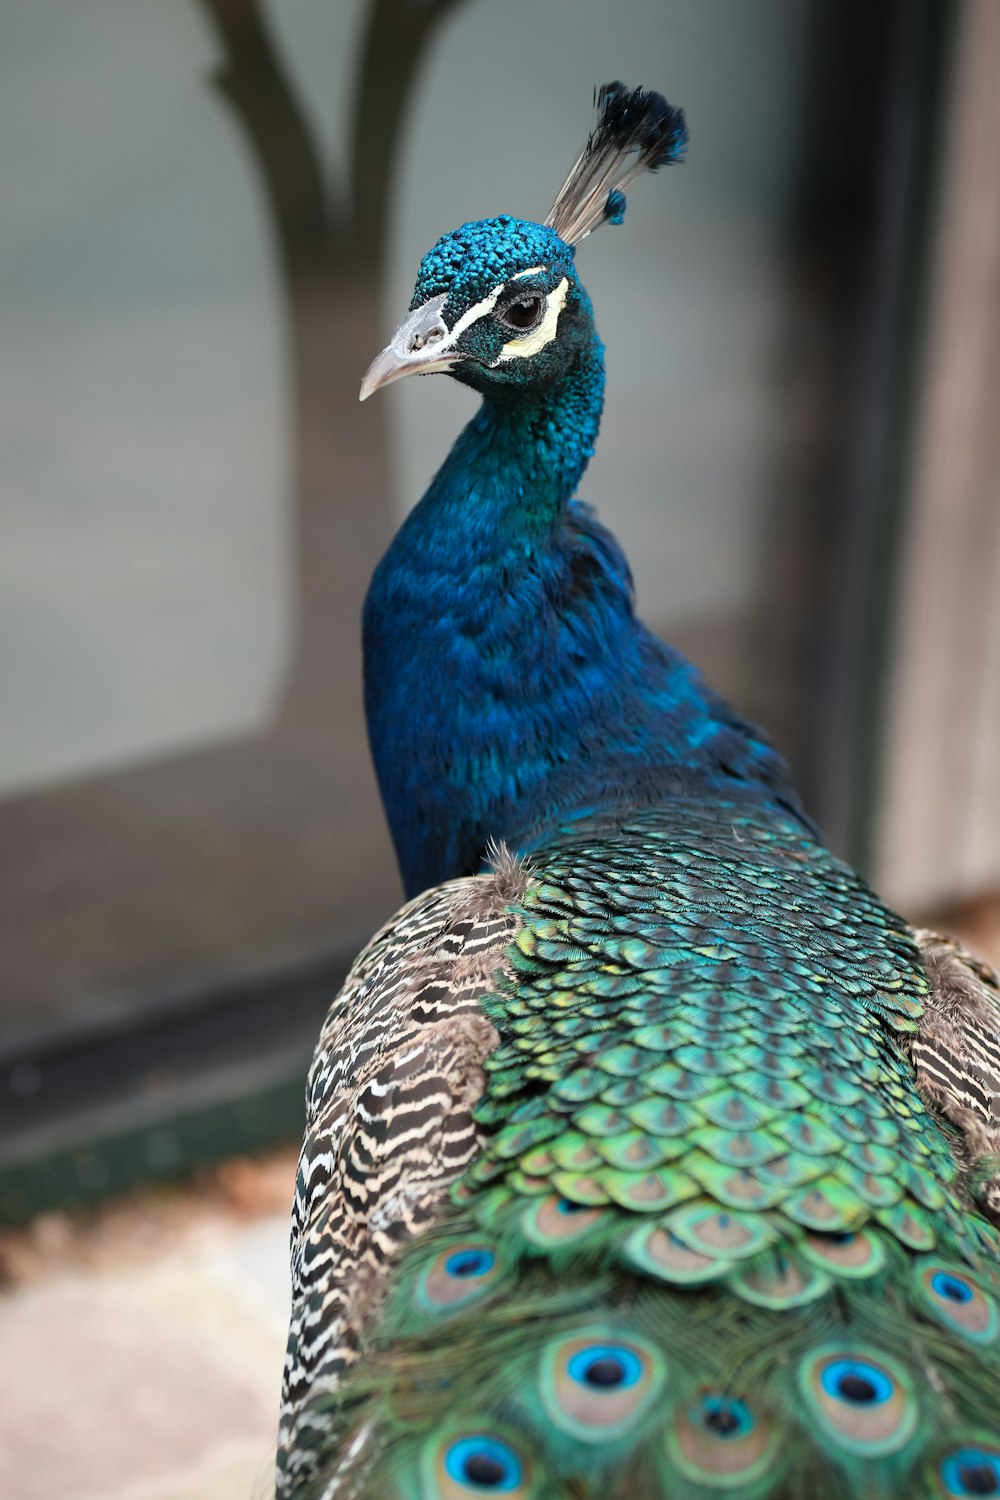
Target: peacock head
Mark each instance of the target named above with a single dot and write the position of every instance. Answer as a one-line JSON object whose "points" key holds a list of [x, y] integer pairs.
{"points": [[498, 303]]}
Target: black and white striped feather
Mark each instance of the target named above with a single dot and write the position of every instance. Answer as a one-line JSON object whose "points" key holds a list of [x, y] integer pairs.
{"points": [[956, 1054], [389, 1128]]}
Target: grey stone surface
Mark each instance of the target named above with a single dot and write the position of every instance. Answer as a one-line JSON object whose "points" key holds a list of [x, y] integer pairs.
{"points": [[154, 1384]]}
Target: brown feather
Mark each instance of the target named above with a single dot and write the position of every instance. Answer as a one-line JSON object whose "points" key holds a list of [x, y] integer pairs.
{"points": [[389, 1125], [956, 1054]]}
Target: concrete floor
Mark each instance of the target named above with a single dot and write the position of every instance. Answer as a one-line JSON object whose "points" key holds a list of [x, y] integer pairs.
{"points": [[141, 1345]]}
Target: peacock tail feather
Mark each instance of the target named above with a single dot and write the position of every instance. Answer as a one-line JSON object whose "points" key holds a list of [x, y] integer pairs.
{"points": [[713, 1242]]}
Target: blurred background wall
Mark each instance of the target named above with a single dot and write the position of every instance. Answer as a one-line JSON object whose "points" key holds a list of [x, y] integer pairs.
{"points": [[212, 215]]}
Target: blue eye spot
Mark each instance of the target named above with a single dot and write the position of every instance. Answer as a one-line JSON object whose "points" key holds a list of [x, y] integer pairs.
{"points": [[470, 1263], [484, 1463], [972, 1471], [605, 1367], [955, 1289], [564, 1206], [841, 1237], [857, 1382], [726, 1417]]}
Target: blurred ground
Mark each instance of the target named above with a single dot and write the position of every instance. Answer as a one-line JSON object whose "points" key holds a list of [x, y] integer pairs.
{"points": [[141, 1343], [977, 923]]}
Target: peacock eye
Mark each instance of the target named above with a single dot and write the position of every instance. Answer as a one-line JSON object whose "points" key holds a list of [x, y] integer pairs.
{"points": [[522, 314]]}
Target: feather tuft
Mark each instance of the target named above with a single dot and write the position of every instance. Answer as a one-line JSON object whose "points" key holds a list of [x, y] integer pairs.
{"points": [[509, 870], [636, 131]]}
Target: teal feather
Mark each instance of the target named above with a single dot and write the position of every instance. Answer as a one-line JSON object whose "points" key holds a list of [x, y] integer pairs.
{"points": [[813, 1332]]}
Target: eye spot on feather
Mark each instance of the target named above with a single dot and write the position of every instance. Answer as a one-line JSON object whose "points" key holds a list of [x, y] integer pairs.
{"points": [[470, 1262], [863, 1400], [478, 1463], [720, 1235], [558, 1221], [605, 1367], [781, 1282], [726, 1418], [658, 1252], [954, 1288], [973, 1469], [456, 1277], [957, 1302], [861, 1385], [722, 1441], [854, 1255], [597, 1387]]}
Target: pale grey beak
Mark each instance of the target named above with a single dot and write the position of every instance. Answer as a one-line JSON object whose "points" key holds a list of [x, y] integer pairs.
{"points": [[418, 347]]}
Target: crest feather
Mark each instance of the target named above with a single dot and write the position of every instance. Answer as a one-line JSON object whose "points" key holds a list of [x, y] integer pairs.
{"points": [[636, 131]]}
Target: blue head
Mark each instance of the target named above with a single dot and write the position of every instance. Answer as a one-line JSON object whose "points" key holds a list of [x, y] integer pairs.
{"points": [[498, 303]]}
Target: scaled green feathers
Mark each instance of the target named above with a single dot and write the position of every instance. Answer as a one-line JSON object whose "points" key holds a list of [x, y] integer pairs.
{"points": [[714, 1243]]}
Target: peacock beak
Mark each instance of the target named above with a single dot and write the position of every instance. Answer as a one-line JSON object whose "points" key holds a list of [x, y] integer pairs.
{"points": [[419, 346]]}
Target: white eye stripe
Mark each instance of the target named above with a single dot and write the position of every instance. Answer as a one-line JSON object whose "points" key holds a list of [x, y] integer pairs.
{"points": [[474, 313], [443, 346], [516, 348], [531, 343]]}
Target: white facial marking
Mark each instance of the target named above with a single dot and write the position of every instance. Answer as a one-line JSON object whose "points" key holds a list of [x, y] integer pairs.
{"points": [[530, 344], [472, 315], [434, 353], [440, 353]]}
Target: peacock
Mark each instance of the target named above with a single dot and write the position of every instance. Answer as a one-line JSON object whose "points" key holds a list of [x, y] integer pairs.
{"points": [[648, 1152]]}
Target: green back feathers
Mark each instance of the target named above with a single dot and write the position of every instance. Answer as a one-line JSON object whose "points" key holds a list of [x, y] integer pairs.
{"points": [[714, 1244]]}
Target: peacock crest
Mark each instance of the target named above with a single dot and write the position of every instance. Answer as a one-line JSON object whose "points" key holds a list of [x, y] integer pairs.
{"points": [[636, 131]]}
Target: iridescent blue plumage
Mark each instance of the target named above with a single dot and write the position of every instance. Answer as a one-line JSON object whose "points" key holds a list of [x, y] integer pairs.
{"points": [[507, 593], [470, 261]]}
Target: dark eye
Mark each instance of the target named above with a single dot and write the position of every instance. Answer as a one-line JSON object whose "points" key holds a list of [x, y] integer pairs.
{"points": [[522, 314]]}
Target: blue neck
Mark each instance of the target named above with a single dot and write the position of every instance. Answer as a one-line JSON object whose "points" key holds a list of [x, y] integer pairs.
{"points": [[508, 684]]}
